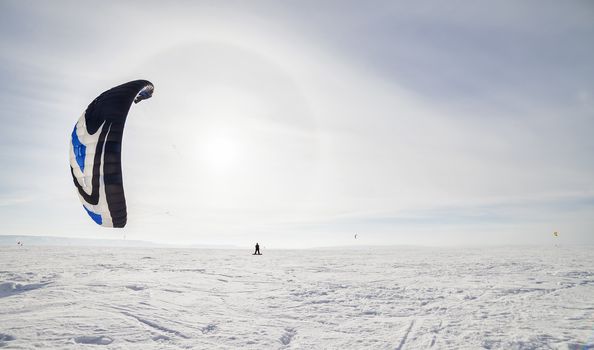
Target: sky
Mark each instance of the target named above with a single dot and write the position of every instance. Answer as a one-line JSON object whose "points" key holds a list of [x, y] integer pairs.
{"points": [[297, 124]]}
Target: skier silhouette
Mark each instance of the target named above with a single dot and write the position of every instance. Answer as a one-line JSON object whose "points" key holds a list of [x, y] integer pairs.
{"points": [[257, 252]]}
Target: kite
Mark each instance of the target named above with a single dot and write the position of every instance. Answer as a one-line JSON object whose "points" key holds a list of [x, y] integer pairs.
{"points": [[95, 152]]}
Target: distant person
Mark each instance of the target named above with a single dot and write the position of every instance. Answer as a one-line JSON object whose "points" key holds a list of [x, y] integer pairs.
{"points": [[257, 252]]}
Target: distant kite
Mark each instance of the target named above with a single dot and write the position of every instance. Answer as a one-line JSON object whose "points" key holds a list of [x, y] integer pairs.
{"points": [[556, 234]]}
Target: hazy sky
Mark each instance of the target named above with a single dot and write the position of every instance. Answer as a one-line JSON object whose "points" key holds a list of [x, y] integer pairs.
{"points": [[301, 123]]}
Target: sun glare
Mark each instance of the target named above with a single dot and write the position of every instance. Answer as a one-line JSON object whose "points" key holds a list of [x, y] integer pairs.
{"points": [[220, 150]]}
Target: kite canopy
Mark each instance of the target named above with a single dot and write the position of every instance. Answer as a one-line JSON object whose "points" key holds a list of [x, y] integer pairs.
{"points": [[95, 152]]}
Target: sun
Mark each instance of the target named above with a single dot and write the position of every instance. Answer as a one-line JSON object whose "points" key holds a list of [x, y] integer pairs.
{"points": [[221, 149]]}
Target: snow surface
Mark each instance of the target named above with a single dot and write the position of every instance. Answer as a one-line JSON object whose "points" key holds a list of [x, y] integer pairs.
{"points": [[396, 298]]}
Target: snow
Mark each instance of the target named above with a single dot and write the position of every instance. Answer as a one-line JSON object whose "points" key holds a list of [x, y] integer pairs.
{"points": [[375, 298]]}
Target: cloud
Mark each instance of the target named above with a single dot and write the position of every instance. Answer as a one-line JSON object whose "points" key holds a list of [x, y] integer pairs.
{"points": [[413, 116], [6, 201]]}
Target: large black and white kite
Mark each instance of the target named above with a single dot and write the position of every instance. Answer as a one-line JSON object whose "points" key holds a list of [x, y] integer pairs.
{"points": [[95, 152]]}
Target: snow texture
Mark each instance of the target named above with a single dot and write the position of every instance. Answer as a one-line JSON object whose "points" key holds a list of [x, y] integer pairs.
{"points": [[369, 298]]}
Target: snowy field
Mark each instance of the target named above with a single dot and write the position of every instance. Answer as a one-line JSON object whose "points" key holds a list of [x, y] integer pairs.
{"points": [[396, 298]]}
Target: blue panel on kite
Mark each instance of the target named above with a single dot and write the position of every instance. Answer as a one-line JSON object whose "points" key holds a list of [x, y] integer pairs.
{"points": [[96, 217], [80, 150]]}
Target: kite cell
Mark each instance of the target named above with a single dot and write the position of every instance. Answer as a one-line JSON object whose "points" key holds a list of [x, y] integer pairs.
{"points": [[95, 152]]}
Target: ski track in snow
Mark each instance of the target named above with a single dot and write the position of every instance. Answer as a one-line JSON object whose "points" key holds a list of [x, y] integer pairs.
{"points": [[396, 298], [403, 341]]}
